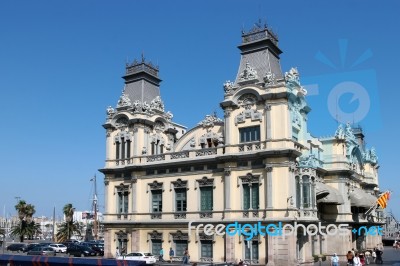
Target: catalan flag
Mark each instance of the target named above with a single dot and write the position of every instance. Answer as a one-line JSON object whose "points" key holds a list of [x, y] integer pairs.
{"points": [[383, 199]]}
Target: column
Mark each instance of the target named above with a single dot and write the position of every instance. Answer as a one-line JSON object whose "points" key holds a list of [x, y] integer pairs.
{"points": [[268, 130], [135, 141], [227, 125], [227, 189], [134, 193], [268, 190]]}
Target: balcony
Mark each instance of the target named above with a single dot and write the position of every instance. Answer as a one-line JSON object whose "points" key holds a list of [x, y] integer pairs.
{"points": [[249, 147]]}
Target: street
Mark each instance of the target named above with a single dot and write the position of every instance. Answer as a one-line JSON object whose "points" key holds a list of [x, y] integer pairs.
{"points": [[391, 256]]}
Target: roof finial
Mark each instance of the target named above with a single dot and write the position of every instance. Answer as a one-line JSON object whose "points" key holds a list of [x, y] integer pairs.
{"points": [[143, 57]]}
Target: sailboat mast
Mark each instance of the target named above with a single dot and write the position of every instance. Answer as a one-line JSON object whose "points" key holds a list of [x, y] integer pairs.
{"points": [[95, 223]]}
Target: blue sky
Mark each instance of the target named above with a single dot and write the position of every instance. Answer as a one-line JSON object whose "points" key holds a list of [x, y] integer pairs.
{"points": [[61, 64]]}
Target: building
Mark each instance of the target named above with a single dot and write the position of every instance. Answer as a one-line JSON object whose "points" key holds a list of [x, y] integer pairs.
{"points": [[258, 163], [391, 229]]}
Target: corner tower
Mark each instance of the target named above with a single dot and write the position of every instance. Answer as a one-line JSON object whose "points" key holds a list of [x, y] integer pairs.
{"points": [[259, 56], [142, 82]]}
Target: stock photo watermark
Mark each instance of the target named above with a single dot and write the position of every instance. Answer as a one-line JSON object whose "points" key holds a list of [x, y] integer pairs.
{"points": [[278, 229], [349, 91]]}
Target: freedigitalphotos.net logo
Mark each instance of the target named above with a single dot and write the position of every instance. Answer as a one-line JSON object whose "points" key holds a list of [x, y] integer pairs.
{"points": [[278, 229]]}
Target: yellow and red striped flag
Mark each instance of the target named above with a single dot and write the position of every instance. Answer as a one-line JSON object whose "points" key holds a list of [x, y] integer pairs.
{"points": [[382, 200]]}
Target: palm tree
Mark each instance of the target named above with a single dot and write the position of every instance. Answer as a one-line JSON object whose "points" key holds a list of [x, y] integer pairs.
{"points": [[26, 226], [69, 227]]}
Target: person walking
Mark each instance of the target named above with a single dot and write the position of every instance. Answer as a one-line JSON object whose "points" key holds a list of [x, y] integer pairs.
{"points": [[186, 257], [367, 257], [117, 253], [171, 254], [356, 260], [335, 260], [349, 257], [374, 255], [161, 258], [379, 254]]}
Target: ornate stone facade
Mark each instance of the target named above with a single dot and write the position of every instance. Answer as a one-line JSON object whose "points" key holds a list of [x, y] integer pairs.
{"points": [[258, 163]]}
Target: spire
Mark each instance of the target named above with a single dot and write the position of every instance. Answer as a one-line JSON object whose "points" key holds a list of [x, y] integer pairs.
{"points": [[260, 56], [142, 82]]}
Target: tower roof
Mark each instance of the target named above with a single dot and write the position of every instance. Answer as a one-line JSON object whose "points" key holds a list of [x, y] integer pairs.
{"points": [[260, 55], [141, 81]]}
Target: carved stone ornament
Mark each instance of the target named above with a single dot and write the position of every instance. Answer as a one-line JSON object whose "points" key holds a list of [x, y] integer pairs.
{"points": [[157, 104], [179, 236], [227, 171], [159, 126], [205, 182], [210, 120], [121, 122], [156, 185], [248, 73], [192, 143], [124, 100], [144, 151], [122, 188], [228, 86], [293, 76], [110, 111], [137, 106], [254, 115], [179, 183], [169, 115], [247, 100], [121, 235], [268, 168], [309, 161], [370, 156], [203, 236], [155, 235], [249, 178], [269, 78], [339, 134]]}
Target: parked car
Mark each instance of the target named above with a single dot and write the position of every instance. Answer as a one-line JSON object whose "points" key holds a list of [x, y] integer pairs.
{"points": [[20, 247], [141, 256], [31, 246], [80, 251], [60, 248], [98, 248], [42, 251]]}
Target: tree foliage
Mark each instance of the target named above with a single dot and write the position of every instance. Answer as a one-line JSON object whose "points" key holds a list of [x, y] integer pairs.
{"points": [[26, 227], [69, 227]]}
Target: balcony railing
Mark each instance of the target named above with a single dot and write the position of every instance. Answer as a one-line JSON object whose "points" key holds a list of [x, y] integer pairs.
{"points": [[191, 154], [181, 215]]}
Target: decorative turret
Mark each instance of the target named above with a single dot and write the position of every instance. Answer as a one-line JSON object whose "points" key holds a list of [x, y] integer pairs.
{"points": [[259, 62], [141, 81]]}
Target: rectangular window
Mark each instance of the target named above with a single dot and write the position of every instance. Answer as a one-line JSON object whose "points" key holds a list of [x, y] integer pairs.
{"points": [[128, 149], [122, 148], [117, 150], [180, 199], [153, 148], [306, 192], [180, 246], [155, 247], [123, 202], [206, 198], [297, 193], [251, 196], [156, 200], [248, 134], [206, 249], [246, 197], [251, 250]]}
